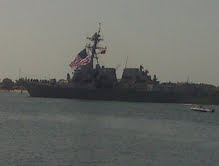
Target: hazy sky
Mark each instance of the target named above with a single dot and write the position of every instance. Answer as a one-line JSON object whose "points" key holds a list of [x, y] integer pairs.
{"points": [[171, 38]]}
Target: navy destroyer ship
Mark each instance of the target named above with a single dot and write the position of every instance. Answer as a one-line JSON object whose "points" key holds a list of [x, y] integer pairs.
{"points": [[92, 81]]}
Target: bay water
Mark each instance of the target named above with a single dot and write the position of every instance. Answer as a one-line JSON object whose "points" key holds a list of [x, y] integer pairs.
{"points": [[64, 132]]}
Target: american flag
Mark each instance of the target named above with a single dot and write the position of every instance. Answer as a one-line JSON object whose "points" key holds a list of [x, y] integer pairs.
{"points": [[81, 59]]}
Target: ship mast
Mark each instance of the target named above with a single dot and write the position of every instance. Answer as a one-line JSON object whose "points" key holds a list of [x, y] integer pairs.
{"points": [[96, 38]]}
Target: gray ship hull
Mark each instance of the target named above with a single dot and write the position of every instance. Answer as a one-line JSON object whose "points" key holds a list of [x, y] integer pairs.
{"points": [[116, 94]]}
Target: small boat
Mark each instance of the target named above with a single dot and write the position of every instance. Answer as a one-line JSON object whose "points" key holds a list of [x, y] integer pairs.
{"points": [[202, 109]]}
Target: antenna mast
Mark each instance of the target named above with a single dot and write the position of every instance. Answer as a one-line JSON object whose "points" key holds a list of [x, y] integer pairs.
{"points": [[19, 74], [188, 79], [126, 61], [96, 38]]}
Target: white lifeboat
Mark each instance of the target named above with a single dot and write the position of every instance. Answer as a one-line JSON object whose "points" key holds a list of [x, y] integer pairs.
{"points": [[202, 109]]}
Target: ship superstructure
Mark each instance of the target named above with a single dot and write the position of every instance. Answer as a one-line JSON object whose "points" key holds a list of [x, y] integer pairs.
{"points": [[88, 75]]}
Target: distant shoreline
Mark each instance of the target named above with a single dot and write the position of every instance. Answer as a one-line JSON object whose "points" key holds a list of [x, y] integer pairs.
{"points": [[14, 90]]}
